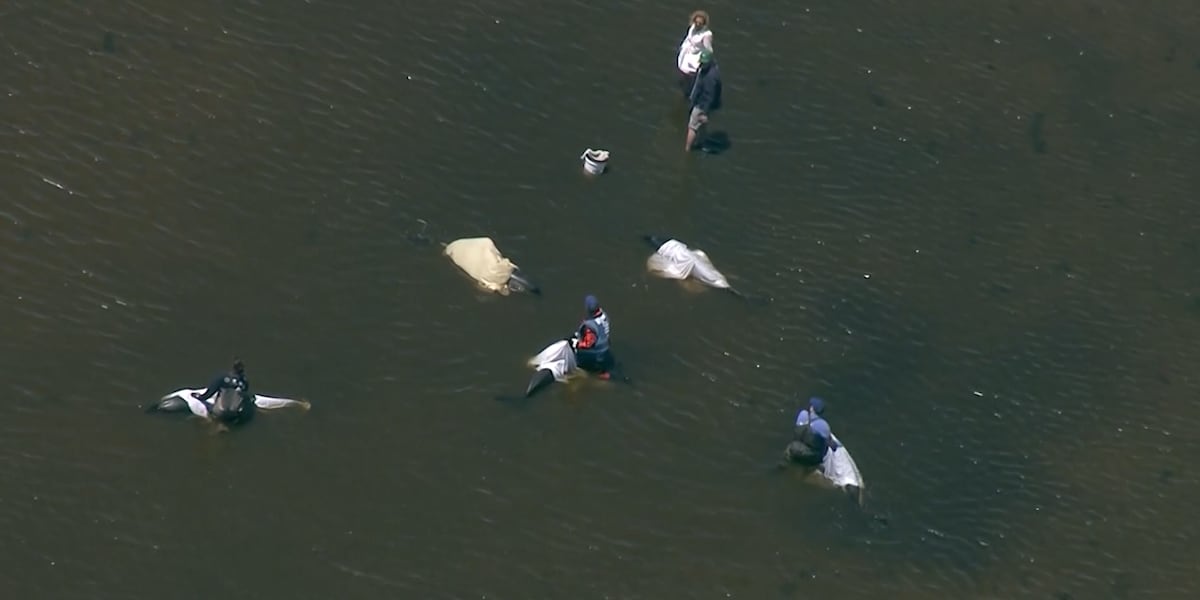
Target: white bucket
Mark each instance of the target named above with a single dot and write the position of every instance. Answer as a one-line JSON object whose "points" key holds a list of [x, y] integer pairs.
{"points": [[594, 161]]}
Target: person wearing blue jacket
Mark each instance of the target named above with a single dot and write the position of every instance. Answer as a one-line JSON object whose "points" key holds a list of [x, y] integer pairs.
{"points": [[812, 438]]}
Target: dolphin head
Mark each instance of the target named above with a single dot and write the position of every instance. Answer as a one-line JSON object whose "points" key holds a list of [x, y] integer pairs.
{"points": [[518, 282], [655, 241]]}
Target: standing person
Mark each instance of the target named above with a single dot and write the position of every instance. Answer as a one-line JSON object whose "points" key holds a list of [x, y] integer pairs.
{"points": [[698, 37], [705, 98], [591, 340]]}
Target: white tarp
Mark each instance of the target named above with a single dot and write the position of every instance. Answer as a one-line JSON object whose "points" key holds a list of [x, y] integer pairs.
{"points": [[480, 259], [558, 358], [839, 468], [200, 409], [674, 260]]}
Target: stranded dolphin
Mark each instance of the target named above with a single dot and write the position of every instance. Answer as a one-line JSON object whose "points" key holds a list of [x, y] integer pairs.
{"points": [[479, 258], [555, 362], [227, 406], [673, 259]]}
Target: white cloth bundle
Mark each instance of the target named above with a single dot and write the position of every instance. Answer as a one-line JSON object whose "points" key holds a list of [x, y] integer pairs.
{"points": [[674, 260]]}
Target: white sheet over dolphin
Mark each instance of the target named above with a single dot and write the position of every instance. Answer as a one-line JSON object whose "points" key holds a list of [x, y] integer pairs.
{"points": [[203, 409], [836, 467], [673, 259], [839, 469], [480, 259], [554, 363]]}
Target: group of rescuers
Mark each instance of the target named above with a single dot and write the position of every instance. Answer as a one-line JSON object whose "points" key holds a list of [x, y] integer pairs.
{"points": [[812, 436]]}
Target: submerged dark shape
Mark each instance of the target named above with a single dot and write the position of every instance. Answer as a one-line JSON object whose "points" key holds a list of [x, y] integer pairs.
{"points": [[715, 142], [232, 407], [655, 241], [519, 282]]}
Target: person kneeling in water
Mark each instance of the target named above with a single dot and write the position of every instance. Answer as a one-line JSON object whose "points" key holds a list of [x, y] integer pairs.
{"points": [[590, 342], [235, 379], [812, 438]]}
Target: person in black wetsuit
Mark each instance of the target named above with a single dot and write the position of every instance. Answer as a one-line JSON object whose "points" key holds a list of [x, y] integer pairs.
{"points": [[234, 379]]}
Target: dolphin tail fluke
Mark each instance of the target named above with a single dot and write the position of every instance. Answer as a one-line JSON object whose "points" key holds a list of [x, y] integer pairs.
{"points": [[541, 379]]}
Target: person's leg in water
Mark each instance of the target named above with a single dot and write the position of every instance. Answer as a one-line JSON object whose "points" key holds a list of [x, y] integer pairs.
{"points": [[696, 121], [593, 364], [599, 365]]}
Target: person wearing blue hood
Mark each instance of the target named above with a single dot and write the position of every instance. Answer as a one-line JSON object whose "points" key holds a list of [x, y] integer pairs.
{"points": [[590, 341], [812, 437]]}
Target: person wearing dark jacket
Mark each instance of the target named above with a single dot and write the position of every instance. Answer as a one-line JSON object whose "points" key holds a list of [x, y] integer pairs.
{"points": [[705, 97], [235, 378], [590, 341]]}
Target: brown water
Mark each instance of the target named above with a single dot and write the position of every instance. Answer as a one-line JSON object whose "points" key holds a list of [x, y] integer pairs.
{"points": [[183, 182]]}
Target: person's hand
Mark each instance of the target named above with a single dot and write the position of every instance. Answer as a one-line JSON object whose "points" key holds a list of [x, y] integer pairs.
{"points": [[702, 118]]}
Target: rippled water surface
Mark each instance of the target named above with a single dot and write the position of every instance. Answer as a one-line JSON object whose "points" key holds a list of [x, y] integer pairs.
{"points": [[976, 226]]}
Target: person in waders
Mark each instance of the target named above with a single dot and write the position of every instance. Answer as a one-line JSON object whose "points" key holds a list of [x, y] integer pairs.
{"points": [[705, 98], [812, 437], [590, 341]]}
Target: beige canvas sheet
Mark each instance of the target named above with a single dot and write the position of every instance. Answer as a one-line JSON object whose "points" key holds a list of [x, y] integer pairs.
{"points": [[480, 259]]}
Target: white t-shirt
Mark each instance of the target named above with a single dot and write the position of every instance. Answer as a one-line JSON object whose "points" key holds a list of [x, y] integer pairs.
{"points": [[689, 50]]}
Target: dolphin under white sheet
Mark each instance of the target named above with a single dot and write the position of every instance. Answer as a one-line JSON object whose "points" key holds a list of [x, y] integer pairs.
{"points": [[200, 409], [839, 468], [479, 258], [674, 260], [558, 358]]}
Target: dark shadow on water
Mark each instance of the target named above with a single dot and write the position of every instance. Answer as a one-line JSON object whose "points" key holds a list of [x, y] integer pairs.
{"points": [[512, 400], [716, 143]]}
